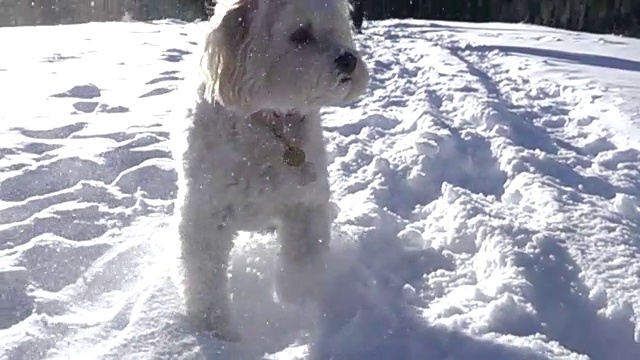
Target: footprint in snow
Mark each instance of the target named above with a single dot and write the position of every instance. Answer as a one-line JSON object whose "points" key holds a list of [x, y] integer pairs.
{"points": [[61, 132], [85, 106], [88, 91], [170, 72], [156, 91], [119, 164], [90, 106], [55, 58], [113, 181], [112, 109], [119, 136], [175, 55], [7, 151], [39, 148], [35, 148], [163, 78]]}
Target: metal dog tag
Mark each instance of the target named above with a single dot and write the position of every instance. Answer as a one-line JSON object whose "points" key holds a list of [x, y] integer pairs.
{"points": [[294, 156]]}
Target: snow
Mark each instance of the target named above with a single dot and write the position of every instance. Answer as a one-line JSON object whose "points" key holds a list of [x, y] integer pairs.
{"points": [[488, 188]]}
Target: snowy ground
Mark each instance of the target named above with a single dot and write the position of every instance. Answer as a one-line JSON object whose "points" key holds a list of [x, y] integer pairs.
{"points": [[488, 182]]}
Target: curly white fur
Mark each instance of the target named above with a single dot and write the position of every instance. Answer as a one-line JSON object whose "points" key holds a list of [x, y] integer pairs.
{"points": [[261, 57]]}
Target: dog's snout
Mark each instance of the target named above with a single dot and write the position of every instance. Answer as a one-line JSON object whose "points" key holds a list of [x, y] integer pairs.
{"points": [[346, 63]]}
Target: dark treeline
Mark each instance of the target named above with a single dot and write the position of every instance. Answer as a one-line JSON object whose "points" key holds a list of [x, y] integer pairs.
{"points": [[599, 16]]}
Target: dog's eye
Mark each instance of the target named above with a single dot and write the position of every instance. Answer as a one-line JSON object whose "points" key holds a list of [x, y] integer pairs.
{"points": [[301, 37]]}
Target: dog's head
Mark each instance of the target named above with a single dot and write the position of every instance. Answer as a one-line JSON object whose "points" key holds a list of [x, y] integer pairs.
{"points": [[282, 55]]}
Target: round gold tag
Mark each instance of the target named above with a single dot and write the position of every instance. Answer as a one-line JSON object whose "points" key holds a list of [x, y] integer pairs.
{"points": [[294, 156]]}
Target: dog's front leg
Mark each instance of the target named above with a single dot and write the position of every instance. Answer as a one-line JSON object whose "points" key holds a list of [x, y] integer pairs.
{"points": [[205, 244], [304, 235]]}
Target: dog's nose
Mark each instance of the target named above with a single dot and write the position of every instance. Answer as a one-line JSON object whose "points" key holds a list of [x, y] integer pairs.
{"points": [[346, 63]]}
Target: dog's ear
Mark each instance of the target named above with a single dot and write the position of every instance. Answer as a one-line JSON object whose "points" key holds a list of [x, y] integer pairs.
{"points": [[226, 50]]}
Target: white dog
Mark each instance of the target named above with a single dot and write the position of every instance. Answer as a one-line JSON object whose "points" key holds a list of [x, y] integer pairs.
{"points": [[253, 155]]}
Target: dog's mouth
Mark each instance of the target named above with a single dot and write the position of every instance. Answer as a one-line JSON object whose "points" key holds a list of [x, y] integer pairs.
{"points": [[345, 79]]}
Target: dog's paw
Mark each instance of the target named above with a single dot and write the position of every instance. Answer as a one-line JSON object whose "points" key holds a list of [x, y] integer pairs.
{"points": [[291, 293], [227, 334], [300, 284], [219, 325]]}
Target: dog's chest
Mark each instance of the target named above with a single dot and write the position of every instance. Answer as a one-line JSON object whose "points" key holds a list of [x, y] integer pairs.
{"points": [[267, 167], [249, 169]]}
